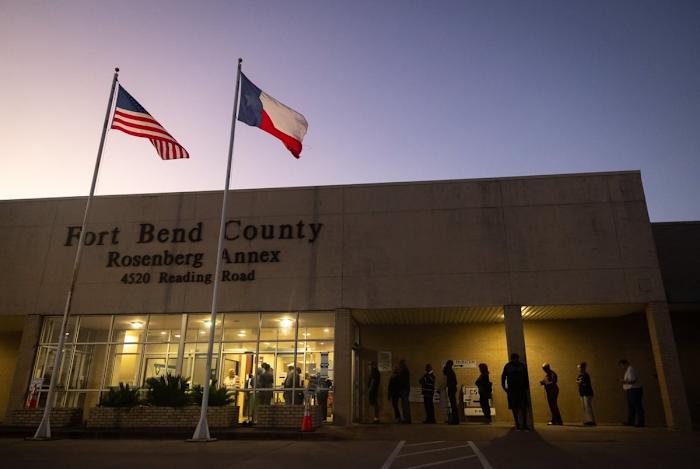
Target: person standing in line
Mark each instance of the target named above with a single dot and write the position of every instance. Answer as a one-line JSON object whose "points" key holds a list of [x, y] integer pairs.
{"points": [[633, 389], [395, 393], [451, 381], [265, 381], [515, 383], [373, 390], [585, 390], [405, 380], [485, 390], [551, 389], [324, 385], [427, 384]]}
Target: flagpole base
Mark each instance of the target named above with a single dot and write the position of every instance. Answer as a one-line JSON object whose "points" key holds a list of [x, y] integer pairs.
{"points": [[201, 433], [43, 432]]}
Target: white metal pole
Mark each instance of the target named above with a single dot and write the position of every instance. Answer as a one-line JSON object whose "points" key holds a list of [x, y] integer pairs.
{"points": [[201, 433], [43, 432]]}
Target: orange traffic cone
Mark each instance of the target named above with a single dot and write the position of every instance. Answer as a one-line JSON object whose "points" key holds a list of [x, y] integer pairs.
{"points": [[306, 423]]}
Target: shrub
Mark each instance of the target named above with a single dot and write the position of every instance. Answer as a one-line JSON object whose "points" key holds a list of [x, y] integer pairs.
{"points": [[218, 396], [169, 390], [122, 396]]}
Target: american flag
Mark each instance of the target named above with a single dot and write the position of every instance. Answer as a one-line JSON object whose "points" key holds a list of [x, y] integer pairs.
{"points": [[132, 118]]}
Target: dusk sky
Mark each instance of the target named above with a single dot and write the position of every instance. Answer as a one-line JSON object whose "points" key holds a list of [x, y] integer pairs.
{"points": [[392, 91]]}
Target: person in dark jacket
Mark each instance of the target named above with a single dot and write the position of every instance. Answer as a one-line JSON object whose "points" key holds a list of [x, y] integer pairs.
{"points": [[395, 393], [373, 390], [451, 382], [515, 383], [551, 389], [427, 384], [405, 380], [585, 390], [485, 390]]}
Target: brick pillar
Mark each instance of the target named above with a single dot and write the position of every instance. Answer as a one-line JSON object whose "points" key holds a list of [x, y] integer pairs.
{"points": [[515, 342], [342, 368], [668, 369], [24, 362]]}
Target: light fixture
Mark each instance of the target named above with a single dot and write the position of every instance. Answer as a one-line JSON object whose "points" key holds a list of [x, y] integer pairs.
{"points": [[207, 322], [326, 330], [163, 332], [241, 334], [285, 323], [202, 332], [136, 324], [177, 336], [306, 334], [321, 343]]}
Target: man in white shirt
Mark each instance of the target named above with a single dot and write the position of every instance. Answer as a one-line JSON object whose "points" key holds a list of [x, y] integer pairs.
{"points": [[632, 386]]}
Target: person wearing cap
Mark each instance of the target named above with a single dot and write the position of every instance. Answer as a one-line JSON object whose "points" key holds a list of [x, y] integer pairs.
{"points": [[551, 389]]}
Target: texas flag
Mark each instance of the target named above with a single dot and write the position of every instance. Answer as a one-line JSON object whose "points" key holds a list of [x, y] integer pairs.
{"points": [[259, 109]]}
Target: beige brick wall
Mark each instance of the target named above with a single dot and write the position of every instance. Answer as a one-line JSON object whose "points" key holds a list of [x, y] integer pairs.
{"points": [[285, 416], [65, 417], [160, 417]]}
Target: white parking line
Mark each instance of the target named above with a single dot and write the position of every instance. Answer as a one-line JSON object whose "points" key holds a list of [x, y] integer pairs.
{"points": [[390, 460], [424, 443], [482, 459], [432, 450], [396, 453], [444, 461]]}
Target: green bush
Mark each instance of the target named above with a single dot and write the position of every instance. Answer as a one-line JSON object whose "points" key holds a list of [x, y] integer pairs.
{"points": [[122, 396], [218, 396], [169, 390]]}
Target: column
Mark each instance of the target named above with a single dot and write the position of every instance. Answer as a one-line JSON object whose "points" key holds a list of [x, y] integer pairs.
{"points": [[342, 368], [668, 369], [515, 341], [24, 362]]}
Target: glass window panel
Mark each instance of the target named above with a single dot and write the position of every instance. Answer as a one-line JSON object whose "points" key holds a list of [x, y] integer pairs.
{"points": [[278, 326], [201, 347], [164, 327], [129, 329], [200, 362], [125, 369], [155, 367], [93, 328], [240, 326], [160, 349], [52, 327], [239, 347], [198, 327]]}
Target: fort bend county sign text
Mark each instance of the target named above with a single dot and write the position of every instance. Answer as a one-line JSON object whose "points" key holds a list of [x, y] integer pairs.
{"points": [[192, 261]]}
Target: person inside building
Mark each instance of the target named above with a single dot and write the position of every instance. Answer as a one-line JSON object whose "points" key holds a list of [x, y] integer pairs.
{"points": [[395, 393], [515, 383], [451, 384], [485, 387], [405, 380], [427, 384], [373, 390], [585, 390], [299, 386], [551, 389], [632, 386], [288, 385], [266, 380]]}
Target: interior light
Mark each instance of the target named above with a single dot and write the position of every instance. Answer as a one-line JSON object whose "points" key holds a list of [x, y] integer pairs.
{"points": [[177, 336], [163, 332], [326, 330], [207, 322], [136, 324], [202, 332], [285, 323], [306, 334], [241, 334]]}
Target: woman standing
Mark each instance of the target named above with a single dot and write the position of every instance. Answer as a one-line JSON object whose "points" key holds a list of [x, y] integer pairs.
{"points": [[451, 381], [485, 390], [585, 390]]}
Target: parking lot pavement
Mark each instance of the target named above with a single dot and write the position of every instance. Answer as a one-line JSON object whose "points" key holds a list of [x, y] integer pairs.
{"points": [[380, 446]]}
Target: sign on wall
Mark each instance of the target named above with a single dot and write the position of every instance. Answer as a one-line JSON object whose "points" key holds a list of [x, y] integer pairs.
{"points": [[384, 361]]}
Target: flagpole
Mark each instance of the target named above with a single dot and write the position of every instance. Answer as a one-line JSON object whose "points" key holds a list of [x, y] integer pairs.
{"points": [[201, 433], [43, 432]]}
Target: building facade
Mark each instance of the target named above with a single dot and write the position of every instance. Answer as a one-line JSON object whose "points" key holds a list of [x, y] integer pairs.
{"points": [[559, 269]]}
